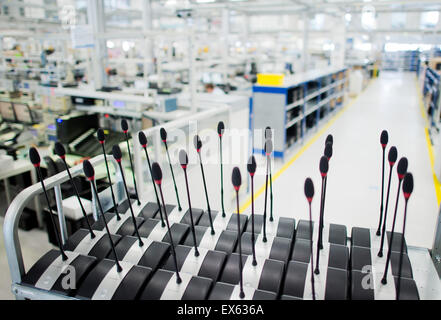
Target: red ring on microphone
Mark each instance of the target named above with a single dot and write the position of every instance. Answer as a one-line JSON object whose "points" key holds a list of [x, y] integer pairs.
{"points": [[91, 178], [309, 199], [158, 181], [184, 166], [251, 174], [236, 188], [401, 176], [144, 146], [406, 195]]}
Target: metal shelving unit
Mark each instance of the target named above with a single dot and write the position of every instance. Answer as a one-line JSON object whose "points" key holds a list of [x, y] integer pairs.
{"points": [[296, 107]]}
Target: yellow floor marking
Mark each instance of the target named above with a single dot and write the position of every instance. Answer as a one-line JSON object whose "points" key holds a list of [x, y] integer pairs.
{"points": [[303, 149], [436, 182]]}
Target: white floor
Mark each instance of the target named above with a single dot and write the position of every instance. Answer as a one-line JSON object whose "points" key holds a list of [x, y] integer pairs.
{"points": [[390, 102], [353, 197]]}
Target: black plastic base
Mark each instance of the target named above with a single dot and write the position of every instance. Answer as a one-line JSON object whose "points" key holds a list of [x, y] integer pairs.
{"points": [[223, 291], [100, 250], [197, 289], [179, 231], [153, 257], [81, 264], [280, 248], [211, 267], [270, 279], [128, 289]]}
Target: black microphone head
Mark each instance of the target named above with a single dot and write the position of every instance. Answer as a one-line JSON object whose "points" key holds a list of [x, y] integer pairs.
{"points": [[328, 150], [329, 139], [324, 166], [392, 156], [309, 189], [268, 133], [59, 150], [236, 178], [384, 138], [124, 125], [34, 156], [220, 128], [163, 134], [183, 159], [100, 135], [142, 139], [408, 185], [268, 147], [197, 143], [116, 151], [89, 172], [251, 166], [402, 167], [156, 173]]}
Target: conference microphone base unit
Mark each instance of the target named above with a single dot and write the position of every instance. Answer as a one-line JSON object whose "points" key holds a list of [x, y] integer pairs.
{"points": [[164, 286], [106, 282], [52, 273]]}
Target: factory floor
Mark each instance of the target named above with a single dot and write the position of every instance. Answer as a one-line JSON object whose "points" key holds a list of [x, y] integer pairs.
{"points": [[391, 102]]}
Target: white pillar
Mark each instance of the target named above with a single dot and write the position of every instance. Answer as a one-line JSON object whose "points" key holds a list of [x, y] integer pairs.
{"points": [[305, 57], [95, 16], [225, 31]]}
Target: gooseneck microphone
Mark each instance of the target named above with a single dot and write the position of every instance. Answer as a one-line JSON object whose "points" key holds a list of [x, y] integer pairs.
{"points": [[236, 179], [34, 156], [392, 157], [89, 172], [163, 134], [183, 160], [309, 193], [61, 152], [116, 151], [407, 191], [125, 128], [324, 167], [101, 138], [143, 141], [251, 167], [401, 171], [198, 146], [220, 132], [268, 148], [157, 177], [328, 154], [269, 136], [384, 139]]}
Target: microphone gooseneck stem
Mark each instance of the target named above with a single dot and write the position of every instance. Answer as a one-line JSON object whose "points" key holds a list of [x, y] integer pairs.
{"points": [[173, 176], [265, 203], [389, 251], [206, 194], [253, 244], [323, 211], [317, 269], [196, 252], [154, 188], [130, 206], [380, 252], [239, 239], [400, 264], [382, 195], [133, 170], [222, 179], [115, 203], [118, 266], [178, 277], [92, 235], [54, 225], [271, 189], [312, 253]]}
